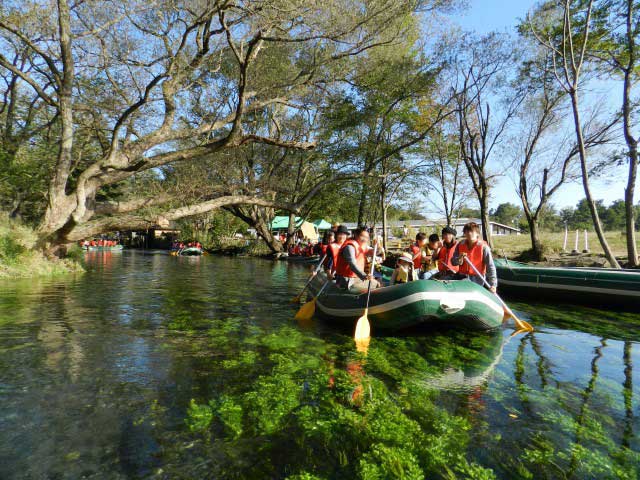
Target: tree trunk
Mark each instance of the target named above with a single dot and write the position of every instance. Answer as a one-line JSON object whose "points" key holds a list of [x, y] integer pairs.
{"points": [[291, 230], [363, 201], [534, 231], [597, 224], [484, 218], [632, 145], [383, 208]]}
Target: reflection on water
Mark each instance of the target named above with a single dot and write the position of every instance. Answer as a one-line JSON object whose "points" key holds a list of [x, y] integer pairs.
{"points": [[192, 367]]}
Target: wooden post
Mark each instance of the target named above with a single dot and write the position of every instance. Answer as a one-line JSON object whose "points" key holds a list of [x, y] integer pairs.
{"points": [[566, 236], [575, 248], [586, 242]]}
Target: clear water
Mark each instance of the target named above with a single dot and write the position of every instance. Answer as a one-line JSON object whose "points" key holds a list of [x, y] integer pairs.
{"points": [[151, 366]]}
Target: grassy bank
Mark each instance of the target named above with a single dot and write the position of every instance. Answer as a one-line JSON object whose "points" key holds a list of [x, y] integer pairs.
{"points": [[515, 245], [18, 259]]}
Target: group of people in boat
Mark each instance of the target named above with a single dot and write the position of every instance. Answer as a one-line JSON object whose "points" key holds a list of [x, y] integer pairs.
{"points": [[100, 242], [179, 245], [430, 257]]}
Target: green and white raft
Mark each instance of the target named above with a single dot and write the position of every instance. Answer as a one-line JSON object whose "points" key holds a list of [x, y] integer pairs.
{"points": [[459, 304], [595, 286]]}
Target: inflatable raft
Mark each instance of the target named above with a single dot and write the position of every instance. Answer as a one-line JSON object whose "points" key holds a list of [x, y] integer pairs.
{"points": [[594, 286], [460, 304], [112, 248]]}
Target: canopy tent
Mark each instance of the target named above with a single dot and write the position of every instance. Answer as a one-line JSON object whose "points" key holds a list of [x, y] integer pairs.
{"points": [[308, 229], [322, 225]]}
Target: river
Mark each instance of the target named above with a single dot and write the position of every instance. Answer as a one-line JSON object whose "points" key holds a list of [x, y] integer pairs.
{"points": [[152, 366]]}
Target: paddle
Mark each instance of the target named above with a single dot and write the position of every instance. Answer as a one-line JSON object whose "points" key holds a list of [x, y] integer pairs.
{"points": [[363, 329], [308, 309], [521, 324], [296, 299]]}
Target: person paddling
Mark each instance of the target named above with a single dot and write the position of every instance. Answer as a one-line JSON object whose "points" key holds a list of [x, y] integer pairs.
{"points": [[479, 254], [351, 263]]}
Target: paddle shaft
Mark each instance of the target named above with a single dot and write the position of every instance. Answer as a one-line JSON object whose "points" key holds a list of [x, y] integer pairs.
{"points": [[484, 280], [373, 264]]}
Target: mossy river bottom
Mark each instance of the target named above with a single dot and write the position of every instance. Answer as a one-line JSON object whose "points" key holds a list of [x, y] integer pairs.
{"points": [[152, 366]]}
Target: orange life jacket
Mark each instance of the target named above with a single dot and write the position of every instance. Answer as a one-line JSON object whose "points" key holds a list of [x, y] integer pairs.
{"points": [[416, 252], [474, 255], [333, 251], [342, 266], [445, 255]]}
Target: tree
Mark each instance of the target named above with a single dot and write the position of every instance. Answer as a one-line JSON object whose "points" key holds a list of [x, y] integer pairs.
{"points": [[482, 122], [615, 46], [507, 214], [544, 158], [567, 44], [445, 176], [172, 81]]}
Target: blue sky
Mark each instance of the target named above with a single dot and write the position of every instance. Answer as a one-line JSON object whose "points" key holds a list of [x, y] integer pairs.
{"points": [[502, 15]]}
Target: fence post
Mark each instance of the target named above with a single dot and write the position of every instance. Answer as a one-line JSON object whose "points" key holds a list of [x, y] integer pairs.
{"points": [[575, 248], [586, 242], [566, 235]]}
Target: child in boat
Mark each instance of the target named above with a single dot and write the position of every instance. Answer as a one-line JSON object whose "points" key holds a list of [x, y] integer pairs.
{"points": [[404, 271], [476, 251], [433, 247]]}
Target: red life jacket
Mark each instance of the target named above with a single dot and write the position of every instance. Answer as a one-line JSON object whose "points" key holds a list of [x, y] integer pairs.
{"points": [[333, 252], [445, 255], [323, 249], [342, 266], [474, 255], [416, 252]]}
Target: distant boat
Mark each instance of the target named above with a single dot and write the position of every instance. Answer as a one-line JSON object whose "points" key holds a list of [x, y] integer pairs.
{"points": [[595, 286], [190, 252], [112, 248]]}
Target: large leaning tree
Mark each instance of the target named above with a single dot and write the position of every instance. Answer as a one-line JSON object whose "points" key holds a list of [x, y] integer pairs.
{"points": [[148, 83]]}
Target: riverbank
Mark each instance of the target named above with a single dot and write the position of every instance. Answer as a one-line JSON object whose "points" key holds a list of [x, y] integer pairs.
{"points": [[18, 259]]}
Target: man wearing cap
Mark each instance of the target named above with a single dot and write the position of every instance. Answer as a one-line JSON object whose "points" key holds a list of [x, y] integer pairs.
{"points": [[342, 233], [446, 268]]}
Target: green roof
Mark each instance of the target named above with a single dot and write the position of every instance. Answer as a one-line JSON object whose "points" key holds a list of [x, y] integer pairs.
{"points": [[322, 224], [281, 222]]}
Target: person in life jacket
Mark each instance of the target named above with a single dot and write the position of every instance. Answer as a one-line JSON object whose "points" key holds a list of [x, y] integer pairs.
{"points": [[431, 250], [333, 250], [446, 268], [418, 254], [479, 254], [404, 271], [350, 268], [323, 247]]}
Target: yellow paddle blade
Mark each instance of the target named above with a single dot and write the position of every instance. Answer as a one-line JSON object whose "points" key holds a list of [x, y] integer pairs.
{"points": [[306, 311], [521, 324], [363, 329]]}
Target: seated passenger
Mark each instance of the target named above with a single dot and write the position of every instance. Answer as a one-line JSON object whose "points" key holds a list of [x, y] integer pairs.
{"points": [[350, 272], [404, 271], [478, 253], [342, 233], [433, 246], [418, 254], [446, 268]]}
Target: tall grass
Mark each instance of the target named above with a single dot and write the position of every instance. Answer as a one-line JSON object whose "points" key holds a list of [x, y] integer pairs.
{"points": [[18, 258]]}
